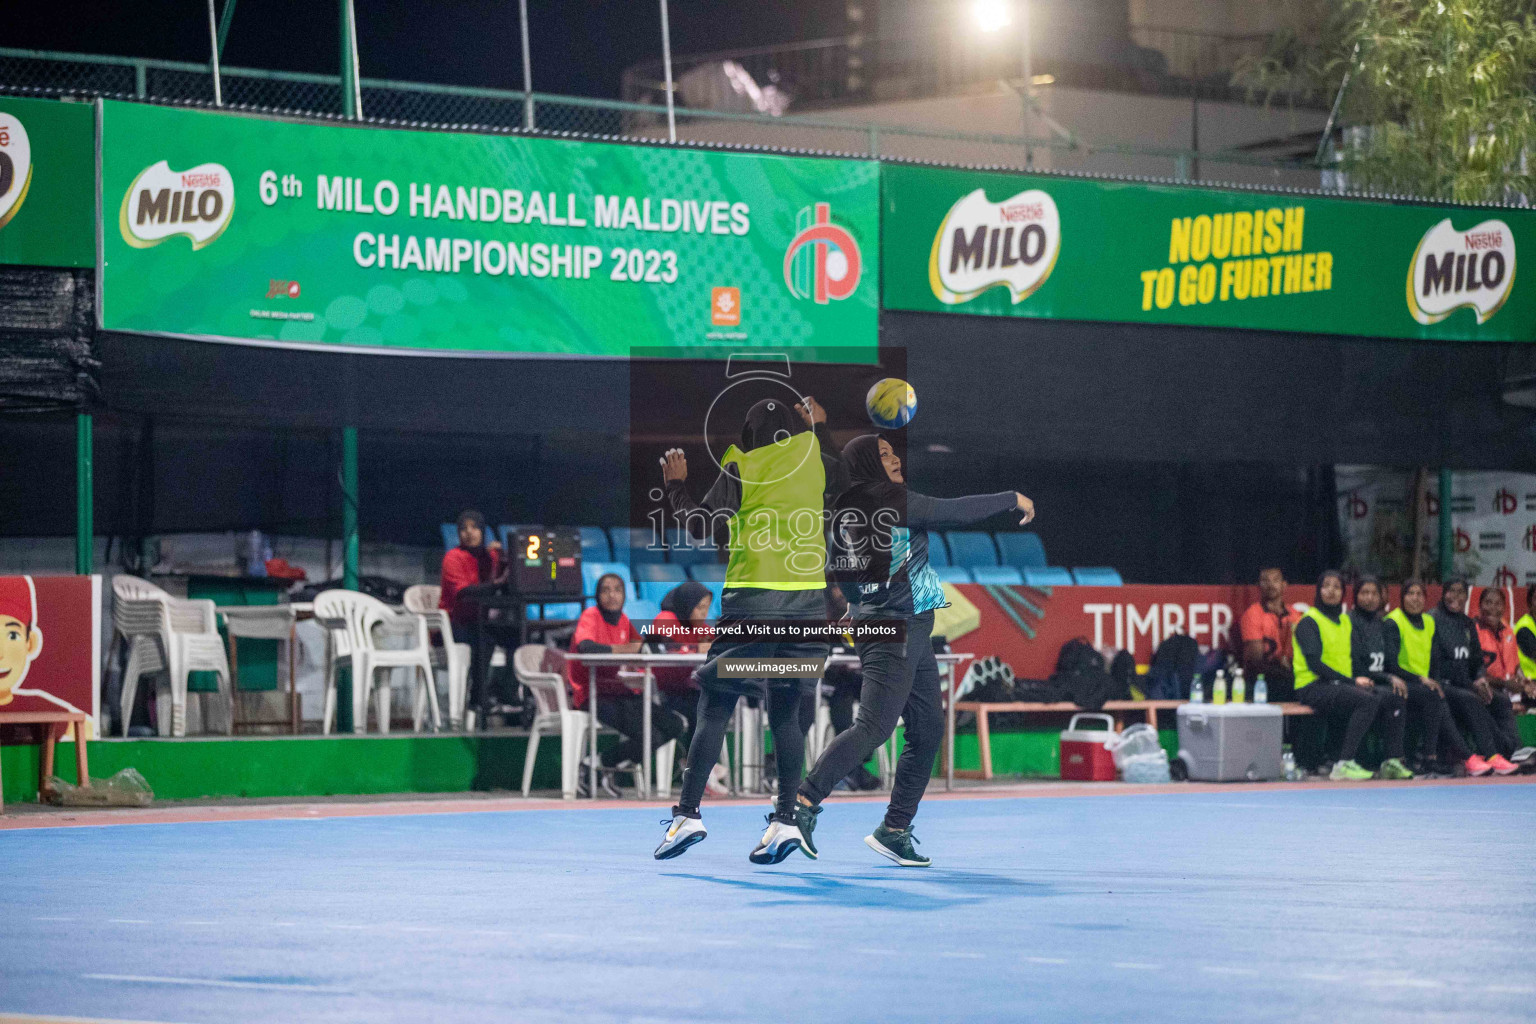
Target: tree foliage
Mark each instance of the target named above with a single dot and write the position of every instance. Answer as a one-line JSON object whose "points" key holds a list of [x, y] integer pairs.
{"points": [[1439, 97]]}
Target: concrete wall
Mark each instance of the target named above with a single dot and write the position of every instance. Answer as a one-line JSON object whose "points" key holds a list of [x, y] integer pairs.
{"points": [[1102, 118]]}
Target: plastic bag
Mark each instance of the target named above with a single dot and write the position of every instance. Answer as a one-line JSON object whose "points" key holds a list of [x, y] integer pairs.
{"points": [[1136, 741], [1151, 767], [125, 789]]}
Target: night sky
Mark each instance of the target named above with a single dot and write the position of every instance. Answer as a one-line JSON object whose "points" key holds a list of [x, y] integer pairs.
{"points": [[580, 47]]}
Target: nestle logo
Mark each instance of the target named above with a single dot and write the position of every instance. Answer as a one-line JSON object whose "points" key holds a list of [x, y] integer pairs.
{"points": [[203, 180], [1484, 239], [1020, 211]]}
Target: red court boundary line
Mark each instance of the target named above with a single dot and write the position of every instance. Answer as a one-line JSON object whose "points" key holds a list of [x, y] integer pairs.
{"points": [[407, 807]]}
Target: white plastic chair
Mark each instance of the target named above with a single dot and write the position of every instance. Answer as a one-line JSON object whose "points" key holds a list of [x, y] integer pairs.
{"points": [[555, 712], [364, 621], [453, 657], [171, 635]]}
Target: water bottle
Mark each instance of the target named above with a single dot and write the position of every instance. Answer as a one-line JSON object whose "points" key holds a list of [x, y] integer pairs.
{"points": [[1288, 762], [1260, 691], [1197, 692], [1219, 688], [1239, 691]]}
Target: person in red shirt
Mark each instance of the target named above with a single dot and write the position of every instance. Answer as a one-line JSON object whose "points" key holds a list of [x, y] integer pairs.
{"points": [[1265, 629], [685, 618], [1501, 666], [472, 563], [603, 628]]}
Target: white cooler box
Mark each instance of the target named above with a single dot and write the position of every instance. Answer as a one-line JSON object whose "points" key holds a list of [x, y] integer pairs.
{"points": [[1231, 742]]}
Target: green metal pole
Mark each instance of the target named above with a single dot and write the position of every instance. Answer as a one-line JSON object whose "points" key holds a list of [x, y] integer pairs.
{"points": [[349, 507], [85, 527], [1447, 537], [351, 102], [226, 19]]}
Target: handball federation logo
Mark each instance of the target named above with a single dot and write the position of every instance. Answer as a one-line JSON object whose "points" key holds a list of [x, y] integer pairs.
{"points": [[162, 203], [822, 261]]}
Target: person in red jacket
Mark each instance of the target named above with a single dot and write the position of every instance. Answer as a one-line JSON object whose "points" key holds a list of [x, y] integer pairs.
{"points": [[605, 629], [472, 563]]}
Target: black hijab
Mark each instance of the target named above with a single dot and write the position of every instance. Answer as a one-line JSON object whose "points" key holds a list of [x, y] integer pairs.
{"points": [[1330, 610], [1381, 590], [681, 599], [768, 421], [1466, 586], [485, 565], [612, 618], [867, 477]]}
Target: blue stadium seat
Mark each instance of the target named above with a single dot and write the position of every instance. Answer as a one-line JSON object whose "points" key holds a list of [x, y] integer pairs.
{"points": [[592, 571], [1097, 577], [713, 572], [1052, 576], [970, 548], [685, 550], [642, 612], [659, 572], [1022, 550], [654, 590], [953, 574], [450, 535], [594, 545], [938, 553], [637, 544], [997, 575], [563, 610]]}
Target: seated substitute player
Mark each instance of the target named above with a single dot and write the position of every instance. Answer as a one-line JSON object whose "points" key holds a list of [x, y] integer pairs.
{"points": [[880, 532], [1411, 634], [1375, 660], [1325, 680], [1456, 659]]}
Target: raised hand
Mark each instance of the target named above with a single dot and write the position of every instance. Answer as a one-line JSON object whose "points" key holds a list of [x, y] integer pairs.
{"points": [[1024, 505], [674, 466]]}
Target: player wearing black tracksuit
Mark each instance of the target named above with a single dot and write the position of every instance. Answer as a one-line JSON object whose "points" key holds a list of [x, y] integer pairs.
{"points": [[1457, 661], [1374, 660], [880, 559]]}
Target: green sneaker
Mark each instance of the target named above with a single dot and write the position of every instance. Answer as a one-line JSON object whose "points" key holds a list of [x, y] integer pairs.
{"points": [[896, 844], [1393, 768], [1349, 771], [805, 818]]}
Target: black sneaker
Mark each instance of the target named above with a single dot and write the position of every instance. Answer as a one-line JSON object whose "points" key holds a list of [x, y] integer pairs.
{"points": [[805, 820], [895, 844]]}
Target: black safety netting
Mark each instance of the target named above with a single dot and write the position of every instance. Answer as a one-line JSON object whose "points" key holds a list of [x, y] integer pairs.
{"points": [[47, 362]]}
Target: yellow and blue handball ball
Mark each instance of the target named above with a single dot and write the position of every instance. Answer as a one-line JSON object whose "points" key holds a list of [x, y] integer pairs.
{"points": [[891, 403]]}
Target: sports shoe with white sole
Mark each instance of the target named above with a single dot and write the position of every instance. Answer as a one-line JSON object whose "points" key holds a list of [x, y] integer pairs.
{"points": [[895, 844], [682, 833], [779, 841]]}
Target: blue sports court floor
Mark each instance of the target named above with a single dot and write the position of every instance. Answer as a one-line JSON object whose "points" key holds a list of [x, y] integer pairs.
{"points": [[1217, 904]]}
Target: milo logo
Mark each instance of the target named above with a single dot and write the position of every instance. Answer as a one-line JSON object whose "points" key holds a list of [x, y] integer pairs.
{"points": [[983, 244], [15, 166], [1452, 269], [162, 203]]}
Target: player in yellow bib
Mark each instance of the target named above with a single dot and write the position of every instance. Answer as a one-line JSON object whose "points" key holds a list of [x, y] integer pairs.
{"points": [[1325, 679], [1409, 632], [771, 493]]}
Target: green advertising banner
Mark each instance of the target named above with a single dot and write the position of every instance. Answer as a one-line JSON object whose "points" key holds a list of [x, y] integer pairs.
{"points": [[224, 226], [47, 183], [1074, 249]]}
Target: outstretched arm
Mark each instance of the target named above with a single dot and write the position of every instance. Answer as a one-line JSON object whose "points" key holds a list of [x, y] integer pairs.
{"points": [[723, 496], [832, 462], [923, 511]]}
